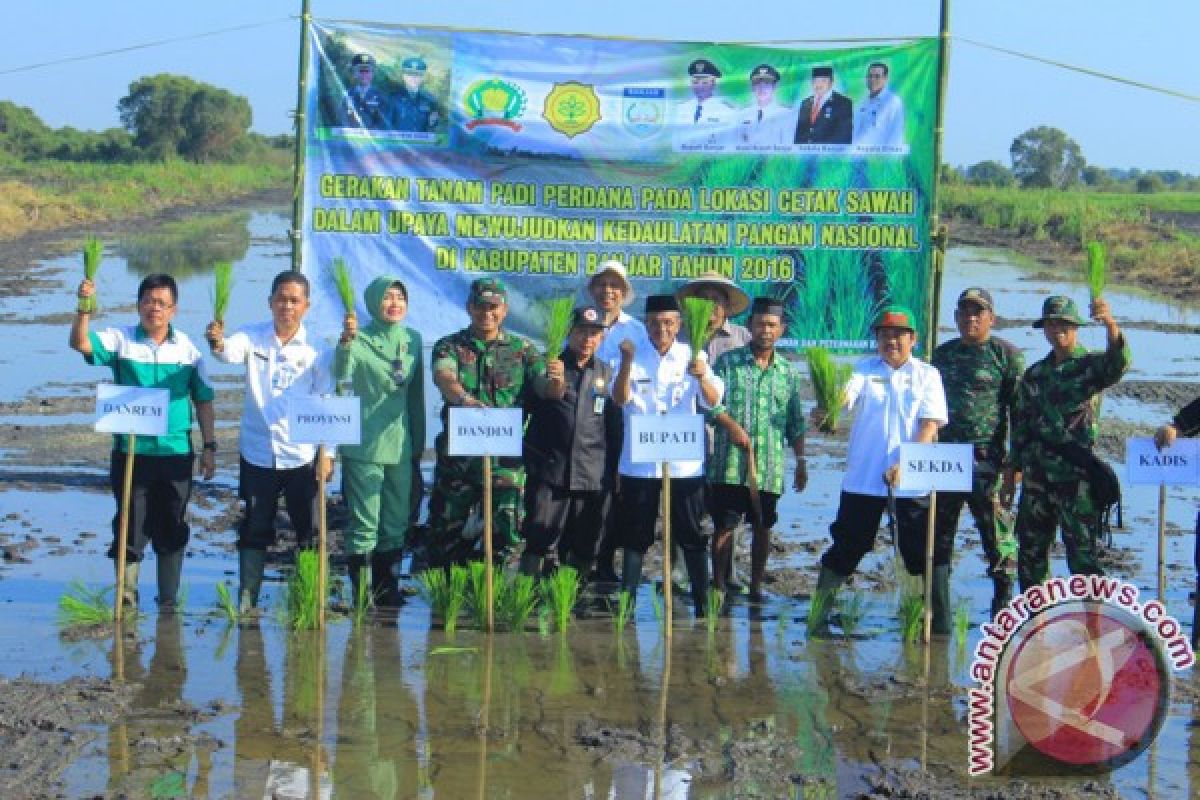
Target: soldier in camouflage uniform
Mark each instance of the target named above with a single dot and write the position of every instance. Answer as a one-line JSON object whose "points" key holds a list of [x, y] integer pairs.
{"points": [[980, 373], [1055, 415], [480, 366]]}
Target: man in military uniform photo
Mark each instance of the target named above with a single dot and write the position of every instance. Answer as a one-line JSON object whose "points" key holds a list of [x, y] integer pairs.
{"points": [[703, 121], [980, 373], [825, 116], [364, 106], [481, 366], [1054, 433], [413, 108]]}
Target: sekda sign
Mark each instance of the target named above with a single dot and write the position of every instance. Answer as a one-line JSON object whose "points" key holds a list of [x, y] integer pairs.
{"points": [[937, 467]]}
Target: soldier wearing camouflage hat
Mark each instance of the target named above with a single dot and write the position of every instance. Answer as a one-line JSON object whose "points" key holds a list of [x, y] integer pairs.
{"points": [[480, 366], [980, 373], [1054, 432]]}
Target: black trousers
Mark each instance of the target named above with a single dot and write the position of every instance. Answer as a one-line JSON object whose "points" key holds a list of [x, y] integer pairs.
{"points": [[639, 504], [857, 522], [158, 501], [260, 488], [572, 520]]}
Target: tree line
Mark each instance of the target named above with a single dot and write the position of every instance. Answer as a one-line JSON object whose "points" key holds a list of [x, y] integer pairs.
{"points": [[163, 117]]}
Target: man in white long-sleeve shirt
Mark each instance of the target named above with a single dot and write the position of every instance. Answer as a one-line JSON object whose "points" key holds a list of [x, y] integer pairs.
{"points": [[281, 362], [879, 120]]}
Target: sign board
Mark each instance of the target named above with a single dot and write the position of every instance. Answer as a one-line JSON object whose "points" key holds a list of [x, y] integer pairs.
{"points": [[937, 467], [485, 432], [324, 420], [666, 437], [1177, 465], [131, 409]]}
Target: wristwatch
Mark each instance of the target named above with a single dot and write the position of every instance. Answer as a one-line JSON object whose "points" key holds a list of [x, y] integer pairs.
{"points": [[210, 446]]}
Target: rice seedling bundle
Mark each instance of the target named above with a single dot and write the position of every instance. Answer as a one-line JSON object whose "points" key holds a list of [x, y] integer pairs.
{"points": [[962, 624], [435, 589], [829, 379], [477, 578], [362, 600], [82, 606], [303, 602], [456, 597], [517, 602], [343, 284], [852, 607], [912, 618], [818, 607], [93, 252], [222, 289], [713, 602], [1096, 269], [622, 611], [560, 591], [697, 322], [226, 603], [558, 325]]}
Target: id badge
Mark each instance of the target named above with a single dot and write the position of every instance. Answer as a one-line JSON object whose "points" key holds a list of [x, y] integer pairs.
{"points": [[598, 404]]}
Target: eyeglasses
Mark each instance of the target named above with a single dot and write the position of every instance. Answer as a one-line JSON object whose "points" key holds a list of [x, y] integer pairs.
{"points": [[158, 305]]}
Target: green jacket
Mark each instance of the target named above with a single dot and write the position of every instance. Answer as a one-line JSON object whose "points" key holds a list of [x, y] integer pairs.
{"points": [[384, 366]]}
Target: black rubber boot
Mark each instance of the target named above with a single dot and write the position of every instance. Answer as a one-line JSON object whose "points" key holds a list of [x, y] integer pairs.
{"points": [[631, 571], [697, 568], [384, 586], [531, 565], [251, 562], [169, 568], [828, 583], [1001, 592], [355, 566], [941, 600]]}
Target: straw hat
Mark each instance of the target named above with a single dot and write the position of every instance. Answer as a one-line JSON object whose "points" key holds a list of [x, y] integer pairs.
{"points": [[739, 301], [618, 269]]}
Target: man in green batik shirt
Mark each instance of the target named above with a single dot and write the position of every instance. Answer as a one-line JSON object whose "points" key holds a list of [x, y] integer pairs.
{"points": [[760, 415], [980, 373], [1056, 417], [481, 366]]}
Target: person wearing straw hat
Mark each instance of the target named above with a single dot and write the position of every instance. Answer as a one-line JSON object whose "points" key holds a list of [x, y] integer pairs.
{"points": [[825, 116], [1054, 436], [571, 448], [760, 416], [896, 398], [363, 106], [154, 353], [980, 373]]}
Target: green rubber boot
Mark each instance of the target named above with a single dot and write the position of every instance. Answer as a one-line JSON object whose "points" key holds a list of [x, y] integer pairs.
{"points": [[130, 599], [941, 600], [828, 583], [169, 567], [251, 563]]}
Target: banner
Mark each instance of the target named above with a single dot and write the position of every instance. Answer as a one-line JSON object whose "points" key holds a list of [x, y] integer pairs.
{"points": [[443, 156]]}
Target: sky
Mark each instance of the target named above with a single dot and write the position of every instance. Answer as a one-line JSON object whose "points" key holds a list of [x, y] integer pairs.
{"points": [[992, 97]]}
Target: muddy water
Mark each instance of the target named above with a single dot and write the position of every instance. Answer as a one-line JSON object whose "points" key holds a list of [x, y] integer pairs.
{"points": [[398, 709]]}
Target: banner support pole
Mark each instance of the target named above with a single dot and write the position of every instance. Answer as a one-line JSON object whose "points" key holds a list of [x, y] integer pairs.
{"points": [[301, 120], [938, 233], [123, 533]]}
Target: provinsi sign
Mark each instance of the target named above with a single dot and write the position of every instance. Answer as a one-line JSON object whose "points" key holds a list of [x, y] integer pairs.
{"points": [[485, 432], [666, 437], [1177, 465], [131, 409], [937, 467], [324, 420]]}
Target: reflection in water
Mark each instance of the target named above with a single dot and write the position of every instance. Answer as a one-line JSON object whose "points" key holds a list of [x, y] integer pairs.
{"points": [[188, 247]]}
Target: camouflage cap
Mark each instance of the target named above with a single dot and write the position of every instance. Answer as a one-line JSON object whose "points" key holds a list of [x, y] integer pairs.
{"points": [[487, 291], [1060, 307], [977, 295], [895, 316]]}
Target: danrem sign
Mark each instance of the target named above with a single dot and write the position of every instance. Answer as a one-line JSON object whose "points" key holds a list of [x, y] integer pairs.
{"points": [[131, 409]]}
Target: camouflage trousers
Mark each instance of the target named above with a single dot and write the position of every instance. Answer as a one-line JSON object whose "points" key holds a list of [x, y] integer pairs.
{"points": [[999, 544], [1046, 506], [457, 492]]}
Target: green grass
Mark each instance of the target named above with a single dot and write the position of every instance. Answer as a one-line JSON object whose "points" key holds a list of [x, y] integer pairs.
{"points": [[93, 253], [622, 611], [697, 321], [912, 618], [560, 592], [851, 607], [343, 283], [227, 603], [558, 325], [1096, 271], [517, 602], [81, 606], [222, 288], [303, 603]]}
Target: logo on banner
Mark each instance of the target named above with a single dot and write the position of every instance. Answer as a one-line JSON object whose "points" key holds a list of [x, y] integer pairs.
{"points": [[643, 110], [572, 108], [494, 102]]}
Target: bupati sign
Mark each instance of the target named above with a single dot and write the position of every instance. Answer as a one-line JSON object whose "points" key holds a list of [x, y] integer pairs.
{"points": [[666, 437]]}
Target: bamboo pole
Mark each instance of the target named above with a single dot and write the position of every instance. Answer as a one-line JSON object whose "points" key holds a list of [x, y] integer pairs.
{"points": [[487, 541], [484, 714], [668, 617], [123, 532], [322, 541], [938, 232], [319, 721], [664, 691], [301, 118], [929, 530], [1162, 543]]}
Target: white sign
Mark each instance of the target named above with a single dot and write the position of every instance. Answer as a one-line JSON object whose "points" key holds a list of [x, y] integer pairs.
{"points": [[485, 432], [938, 467], [1177, 465], [324, 420], [666, 437], [131, 409]]}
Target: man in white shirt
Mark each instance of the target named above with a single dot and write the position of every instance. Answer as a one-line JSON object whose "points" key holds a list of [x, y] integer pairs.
{"points": [[766, 123], [896, 398], [281, 362], [702, 122], [660, 375], [879, 120]]}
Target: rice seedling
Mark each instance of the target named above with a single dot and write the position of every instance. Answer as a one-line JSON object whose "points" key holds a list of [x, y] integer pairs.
{"points": [[697, 321], [962, 623], [82, 606], [457, 598], [303, 603], [560, 592], [656, 602], [1096, 271], [558, 325], [434, 586], [517, 602], [819, 606], [93, 252], [781, 626], [851, 607], [222, 289], [622, 611], [713, 602], [477, 581], [912, 618], [543, 622], [829, 380], [343, 284], [226, 603], [362, 601]]}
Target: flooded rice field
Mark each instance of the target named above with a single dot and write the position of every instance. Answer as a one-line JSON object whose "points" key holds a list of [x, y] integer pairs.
{"points": [[192, 706]]}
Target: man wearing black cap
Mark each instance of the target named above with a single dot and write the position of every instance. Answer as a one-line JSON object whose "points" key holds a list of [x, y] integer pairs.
{"points": [[660, 375], [766, 123], [980, 373], [413, 108], [1054, 433], [571, 450], [364, 106], [826, 116], [703, 121], [760, 416]]}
